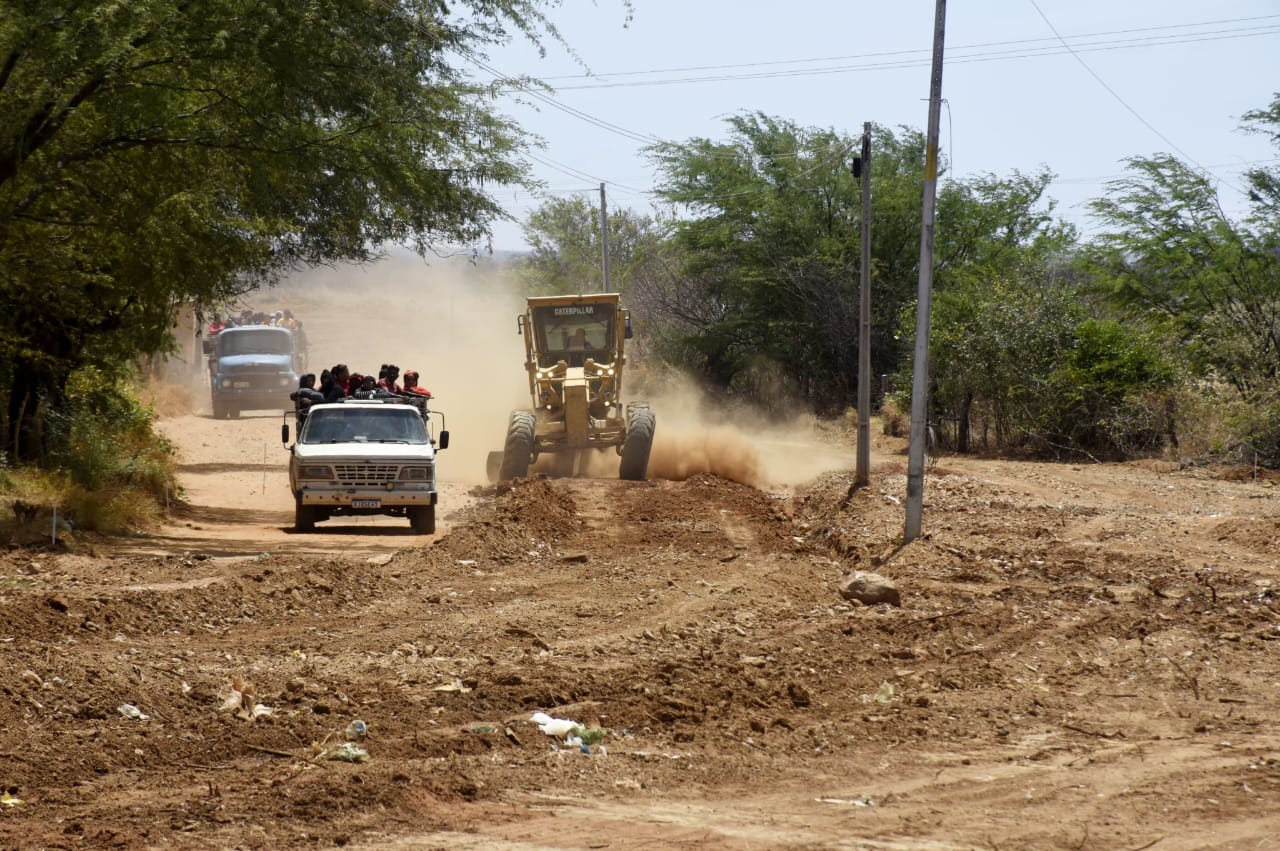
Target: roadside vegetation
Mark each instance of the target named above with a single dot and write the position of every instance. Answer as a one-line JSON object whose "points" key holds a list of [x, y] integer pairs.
{"points": [[107, 469], [152, 158], [1159, 335]]}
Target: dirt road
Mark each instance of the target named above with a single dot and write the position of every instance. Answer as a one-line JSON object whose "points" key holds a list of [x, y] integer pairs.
{"points": [[1084, 657]]}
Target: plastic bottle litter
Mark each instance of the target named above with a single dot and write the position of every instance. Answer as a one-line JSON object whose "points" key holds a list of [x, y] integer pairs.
{"points": [[346, 752], [357, 729], [128, 710]]}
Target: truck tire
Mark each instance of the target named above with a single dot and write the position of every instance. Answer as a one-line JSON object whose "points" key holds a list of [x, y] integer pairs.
{"points": [[219, 409], [304, 516], [639, 442], [518, 450], [422, 518]]}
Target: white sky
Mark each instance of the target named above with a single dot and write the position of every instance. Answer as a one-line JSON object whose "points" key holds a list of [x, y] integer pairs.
{"points": [[1187, 69]]}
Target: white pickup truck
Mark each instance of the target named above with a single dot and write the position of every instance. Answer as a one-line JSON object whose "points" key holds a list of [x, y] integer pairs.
{"points": [[365, 456]]}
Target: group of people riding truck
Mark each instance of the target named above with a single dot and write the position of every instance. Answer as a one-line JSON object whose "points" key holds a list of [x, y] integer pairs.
{"points": [[280, 318], [339, 382]]}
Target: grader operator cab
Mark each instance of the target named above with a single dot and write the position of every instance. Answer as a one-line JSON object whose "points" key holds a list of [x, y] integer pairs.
{"points": [[574, 354]]}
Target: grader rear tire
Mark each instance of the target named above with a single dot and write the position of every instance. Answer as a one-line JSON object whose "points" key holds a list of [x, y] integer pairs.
{"points": [[639, 442], [518, 450]]}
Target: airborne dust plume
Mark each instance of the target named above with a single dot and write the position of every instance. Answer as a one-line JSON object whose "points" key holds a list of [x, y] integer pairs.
{"points": [[455, 324]]}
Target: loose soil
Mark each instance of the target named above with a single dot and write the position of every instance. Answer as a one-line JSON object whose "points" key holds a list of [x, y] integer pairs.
{"points": [[1085, 657]]}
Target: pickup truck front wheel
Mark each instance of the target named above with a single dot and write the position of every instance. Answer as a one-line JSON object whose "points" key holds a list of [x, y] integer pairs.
{"points": [[423, 519], [304, 516]]}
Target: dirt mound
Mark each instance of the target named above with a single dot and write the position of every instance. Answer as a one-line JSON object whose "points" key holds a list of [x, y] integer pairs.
{"points": [[529, 515], [1073, 642]]}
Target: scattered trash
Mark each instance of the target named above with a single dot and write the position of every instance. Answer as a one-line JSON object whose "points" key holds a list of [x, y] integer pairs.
{"points": [[884, 694], [345, 752], [9, 800], [467, 562], [357, 729], [864, 801], [557, 727], [575, 734], [456, 685], [128, 710], [241, 702], [483, 729]]}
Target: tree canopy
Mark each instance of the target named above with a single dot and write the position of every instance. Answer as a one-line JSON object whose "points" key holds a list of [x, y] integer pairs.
{"points": [[566, 255], [766, 226], [158, 152]]}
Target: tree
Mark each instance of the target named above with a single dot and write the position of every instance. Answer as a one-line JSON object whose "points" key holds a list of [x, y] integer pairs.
{"points": [[1172, 258], [566, 257], [768, 240], [1019, 356], [154, 153]]}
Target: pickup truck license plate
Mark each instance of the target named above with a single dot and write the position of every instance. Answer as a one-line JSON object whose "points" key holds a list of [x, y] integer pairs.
{"points": [[239, 384], [366, 503]]}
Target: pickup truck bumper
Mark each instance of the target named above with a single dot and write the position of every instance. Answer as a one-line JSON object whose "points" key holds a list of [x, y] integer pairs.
{"points": [[248, 399], [368, 498]]}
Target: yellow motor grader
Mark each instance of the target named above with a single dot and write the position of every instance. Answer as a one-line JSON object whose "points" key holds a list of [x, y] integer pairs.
{"points": [[574, 356]]}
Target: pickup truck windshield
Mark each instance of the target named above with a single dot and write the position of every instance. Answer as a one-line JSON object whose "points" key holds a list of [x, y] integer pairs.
{"points": [[255, 341], [364, 425]]}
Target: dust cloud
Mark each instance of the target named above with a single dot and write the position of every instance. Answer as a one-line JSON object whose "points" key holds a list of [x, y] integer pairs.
{"points": [[452, 322], [455, 323], [695, 435]]}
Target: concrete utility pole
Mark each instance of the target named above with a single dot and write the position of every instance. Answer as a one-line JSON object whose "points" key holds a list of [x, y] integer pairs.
{"points": [[604, 241], [920, 370], [863, 475]]}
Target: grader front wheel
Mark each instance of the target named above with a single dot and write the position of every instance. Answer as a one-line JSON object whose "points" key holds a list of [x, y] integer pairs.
{"points": [[518, 450], [639, 442]]}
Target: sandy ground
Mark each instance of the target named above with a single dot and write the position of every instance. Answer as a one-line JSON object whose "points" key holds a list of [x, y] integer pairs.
{"points": [[1085, 657]]}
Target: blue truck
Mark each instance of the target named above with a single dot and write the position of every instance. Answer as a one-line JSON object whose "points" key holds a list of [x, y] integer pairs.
{"points": [[253, 367]]}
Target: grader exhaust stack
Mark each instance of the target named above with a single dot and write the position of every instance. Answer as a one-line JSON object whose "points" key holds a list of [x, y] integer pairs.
{"points": [[575, 354]]}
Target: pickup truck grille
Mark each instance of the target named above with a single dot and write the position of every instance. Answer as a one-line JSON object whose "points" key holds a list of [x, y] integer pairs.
{"points": [[364, 475]]}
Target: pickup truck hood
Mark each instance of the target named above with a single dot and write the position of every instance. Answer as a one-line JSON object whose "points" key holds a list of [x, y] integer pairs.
{"points": [[377, 453], [277, 363]]}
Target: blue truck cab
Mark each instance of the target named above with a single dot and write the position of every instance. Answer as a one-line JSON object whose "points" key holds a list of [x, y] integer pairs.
{"points": [[253, 367]]}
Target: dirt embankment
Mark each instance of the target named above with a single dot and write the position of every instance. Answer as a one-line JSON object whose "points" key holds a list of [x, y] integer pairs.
{"points": [[1085, 657]]}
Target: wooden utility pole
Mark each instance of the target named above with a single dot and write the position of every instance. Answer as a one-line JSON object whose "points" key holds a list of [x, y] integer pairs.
{"points": [[862, 476], [920, 369], [604, 241]]}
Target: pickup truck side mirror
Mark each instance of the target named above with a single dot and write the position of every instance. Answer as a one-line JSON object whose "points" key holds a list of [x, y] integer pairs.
{"points": [[444, 439], [284, 433]]}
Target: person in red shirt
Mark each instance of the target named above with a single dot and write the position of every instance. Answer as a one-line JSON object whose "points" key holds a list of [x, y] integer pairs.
{"points": [[411, 385]]}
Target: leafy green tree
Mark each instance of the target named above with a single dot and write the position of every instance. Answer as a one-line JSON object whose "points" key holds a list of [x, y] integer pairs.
{"points": [[767, 235], [564, 234], [1019, 358], [1172, 258], [154, 153]]}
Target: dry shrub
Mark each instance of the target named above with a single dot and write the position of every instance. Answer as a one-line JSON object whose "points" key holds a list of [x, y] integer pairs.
{"points": [[893, 419]]}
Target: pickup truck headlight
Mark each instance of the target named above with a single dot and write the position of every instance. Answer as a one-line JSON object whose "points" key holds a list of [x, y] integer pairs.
{"points": [[415, 474], [226, 382], [315, 471], [285, 382]]}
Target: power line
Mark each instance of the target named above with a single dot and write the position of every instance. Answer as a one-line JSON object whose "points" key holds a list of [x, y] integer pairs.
{"points": [[1122, 101], [916, 52], [905, 64]]}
